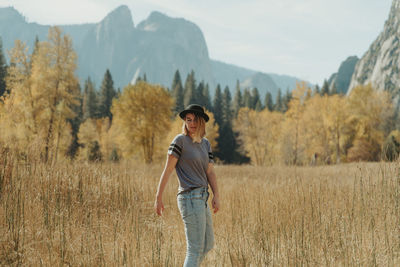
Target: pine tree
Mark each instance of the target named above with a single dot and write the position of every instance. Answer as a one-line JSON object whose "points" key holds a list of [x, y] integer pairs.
{"points": [[268, 101], [217, 105], [177, 92], [226, 106], [3, 70], [325, 88], [255, 97], [89, 107], [145, 77], [199, 93], [190, 96], [285, 101], [258, 106], [107, 94], [247, 98], [278, 102], [207, 98], [237, 100]]}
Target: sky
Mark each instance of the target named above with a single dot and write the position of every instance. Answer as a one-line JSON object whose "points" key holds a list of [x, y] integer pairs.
{"points": [[307, 39]]}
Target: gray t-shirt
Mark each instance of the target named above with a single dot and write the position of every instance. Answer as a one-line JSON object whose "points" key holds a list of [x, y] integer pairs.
{"points": [[193, 159]]}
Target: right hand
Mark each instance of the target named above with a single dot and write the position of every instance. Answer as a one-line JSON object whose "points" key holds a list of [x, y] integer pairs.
{"points": [[159, 207]]}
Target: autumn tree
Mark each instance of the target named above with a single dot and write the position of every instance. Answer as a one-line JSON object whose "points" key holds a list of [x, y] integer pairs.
{"points": [[259, 133], [293, 130], [56, 88], [370, 112], [141, 117]]}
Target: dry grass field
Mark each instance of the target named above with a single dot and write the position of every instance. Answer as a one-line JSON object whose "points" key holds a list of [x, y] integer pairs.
{"points": [[102, 214]]}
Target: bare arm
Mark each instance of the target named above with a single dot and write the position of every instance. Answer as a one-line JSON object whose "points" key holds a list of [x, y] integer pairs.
{"points": [[212, 180], [169, 168]]}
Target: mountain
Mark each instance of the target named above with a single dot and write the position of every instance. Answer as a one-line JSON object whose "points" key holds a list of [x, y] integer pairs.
{"points": [[341, 79], [227, 74], [380, 64], [157, 47]]}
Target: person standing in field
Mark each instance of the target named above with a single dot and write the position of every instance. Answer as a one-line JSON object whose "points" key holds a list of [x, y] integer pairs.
{"points": [[190, 154]]}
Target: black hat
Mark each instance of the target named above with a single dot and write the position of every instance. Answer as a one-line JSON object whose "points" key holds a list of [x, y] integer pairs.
{"points": [[195, 109]]}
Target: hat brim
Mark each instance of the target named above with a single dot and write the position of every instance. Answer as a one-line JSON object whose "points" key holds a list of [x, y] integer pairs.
{"points": [[182, 114]]}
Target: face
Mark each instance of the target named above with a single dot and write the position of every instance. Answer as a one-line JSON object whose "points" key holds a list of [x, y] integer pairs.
{"points": [[191, 123]]}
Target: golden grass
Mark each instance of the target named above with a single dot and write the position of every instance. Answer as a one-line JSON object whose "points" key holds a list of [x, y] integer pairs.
{"points": [[102, 214]]}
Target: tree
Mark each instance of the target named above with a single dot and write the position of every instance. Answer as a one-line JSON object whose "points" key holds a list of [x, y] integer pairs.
{"points": [[141, 119], [217, 106], [90, 106], [255, 97], [53, 76], [190, 96], [177, 92], [107, 94], [268, 101], [286, 99], [3, 70], [370, 112], [206, 97], [278, 101], [247, 98], [325, 88], [237, 100], [259, 133]]}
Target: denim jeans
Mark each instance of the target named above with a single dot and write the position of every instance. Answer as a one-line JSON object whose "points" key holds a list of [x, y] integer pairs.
{"points": [[196, 216]]}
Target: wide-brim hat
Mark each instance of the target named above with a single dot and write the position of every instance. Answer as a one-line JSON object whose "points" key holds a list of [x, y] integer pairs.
{"points": [[195, 109]]}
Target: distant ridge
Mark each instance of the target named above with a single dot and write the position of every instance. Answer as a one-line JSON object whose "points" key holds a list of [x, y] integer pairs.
{"points": [[157, 47]]}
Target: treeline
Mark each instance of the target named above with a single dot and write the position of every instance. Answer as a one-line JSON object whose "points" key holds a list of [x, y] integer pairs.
{"points": [[46, 115]]}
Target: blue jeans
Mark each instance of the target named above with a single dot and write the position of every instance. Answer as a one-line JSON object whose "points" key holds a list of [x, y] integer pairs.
{"points": [[196, 216]]}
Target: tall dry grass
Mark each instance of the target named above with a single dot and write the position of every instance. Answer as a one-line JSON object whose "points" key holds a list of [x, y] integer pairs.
{"points": [[102, 214]]}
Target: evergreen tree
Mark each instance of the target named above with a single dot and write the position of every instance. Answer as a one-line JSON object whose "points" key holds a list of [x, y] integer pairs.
{"points": [[226, 106], [190, 90], [268, 101], [255, 97], [278, 102], [217, 105], [247, 98], [75, 124], [89, 107], [237, 100], [285, 101], [325, 88], [199, 93], [3, 70], [177, 92], [107, 94], [207, 98], [144, 77], [258, 106]]}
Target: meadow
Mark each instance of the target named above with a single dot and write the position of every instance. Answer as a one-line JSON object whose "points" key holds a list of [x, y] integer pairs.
{"points": [[81, 214]]}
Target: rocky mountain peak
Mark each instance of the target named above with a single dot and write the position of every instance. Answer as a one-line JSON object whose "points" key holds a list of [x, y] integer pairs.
{"points": [[380, 64], [119, 17]]}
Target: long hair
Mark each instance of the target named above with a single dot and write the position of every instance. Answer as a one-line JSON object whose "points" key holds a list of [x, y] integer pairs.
{"points": [[200, 131]]}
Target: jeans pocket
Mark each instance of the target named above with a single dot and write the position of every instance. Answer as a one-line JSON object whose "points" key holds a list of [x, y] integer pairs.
{"points": [[184, 206]]}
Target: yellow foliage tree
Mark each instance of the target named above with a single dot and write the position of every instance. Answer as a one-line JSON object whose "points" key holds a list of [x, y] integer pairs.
{"points": [[55, 90], [259, 133], [370, 112], [96, 130], [293, 138], [141, 118]]}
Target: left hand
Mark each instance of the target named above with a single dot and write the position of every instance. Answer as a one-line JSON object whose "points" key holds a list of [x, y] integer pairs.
{"points": [[215, 204]]}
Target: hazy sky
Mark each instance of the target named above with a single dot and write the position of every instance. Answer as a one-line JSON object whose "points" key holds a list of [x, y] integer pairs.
{"points": [[303, 38]]}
